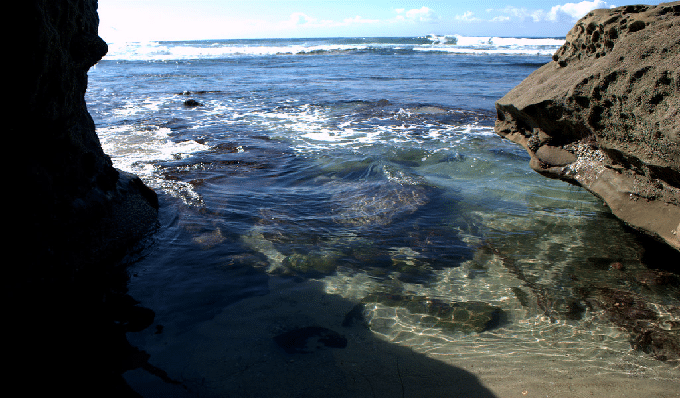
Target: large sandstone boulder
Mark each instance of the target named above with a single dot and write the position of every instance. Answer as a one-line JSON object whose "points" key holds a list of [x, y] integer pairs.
{"points": [[605, 114], [72, 216]]}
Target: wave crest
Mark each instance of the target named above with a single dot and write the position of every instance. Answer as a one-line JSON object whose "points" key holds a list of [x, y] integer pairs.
{"points": [[225, 49]]}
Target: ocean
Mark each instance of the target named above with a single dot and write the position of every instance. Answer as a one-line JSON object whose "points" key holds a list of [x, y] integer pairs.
{"points": [[352, 192]]}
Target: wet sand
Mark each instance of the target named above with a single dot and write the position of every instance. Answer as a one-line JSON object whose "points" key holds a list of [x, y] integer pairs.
{"points": [[234, 355]]}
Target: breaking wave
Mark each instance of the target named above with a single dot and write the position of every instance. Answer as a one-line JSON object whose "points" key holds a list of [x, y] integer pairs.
{"points": [[225, 49]]}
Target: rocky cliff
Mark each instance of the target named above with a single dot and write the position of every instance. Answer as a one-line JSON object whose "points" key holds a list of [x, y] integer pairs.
{"points": [[71, 214], [74, 205], [605, 114]]}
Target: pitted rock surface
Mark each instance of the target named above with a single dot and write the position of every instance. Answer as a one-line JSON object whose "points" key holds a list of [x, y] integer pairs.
{"points": [[605, 114]]}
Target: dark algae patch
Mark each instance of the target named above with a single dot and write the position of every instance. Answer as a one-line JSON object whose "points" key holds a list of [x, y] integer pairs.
{"points": [[309, 339]]}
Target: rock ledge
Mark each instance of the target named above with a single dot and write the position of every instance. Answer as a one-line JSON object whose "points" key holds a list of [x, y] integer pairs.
{"points": [[605, 114]]}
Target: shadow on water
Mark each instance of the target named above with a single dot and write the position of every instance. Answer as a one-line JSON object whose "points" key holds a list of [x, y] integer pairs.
{"points": [[65, 332], [291, 343], [234, 330]]}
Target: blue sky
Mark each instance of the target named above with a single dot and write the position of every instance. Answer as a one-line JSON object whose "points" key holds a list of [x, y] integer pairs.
{"points": [[140, 20]]}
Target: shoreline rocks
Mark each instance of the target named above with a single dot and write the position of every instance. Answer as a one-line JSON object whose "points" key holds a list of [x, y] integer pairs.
{"points": [[605, 114]]}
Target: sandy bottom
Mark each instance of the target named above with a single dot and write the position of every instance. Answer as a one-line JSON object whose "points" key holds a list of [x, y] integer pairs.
{"points": [[234, 355]]}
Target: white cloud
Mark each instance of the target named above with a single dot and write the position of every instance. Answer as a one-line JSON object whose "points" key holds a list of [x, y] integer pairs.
{"points": [[568, 12], [467, 16], [297, 19], [359, 20], [521, 13], [500, 18], [302, 20], [574, 11], [423, 14]]}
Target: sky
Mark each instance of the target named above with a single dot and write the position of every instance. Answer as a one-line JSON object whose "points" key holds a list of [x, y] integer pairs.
{"points": [[143, 20]]}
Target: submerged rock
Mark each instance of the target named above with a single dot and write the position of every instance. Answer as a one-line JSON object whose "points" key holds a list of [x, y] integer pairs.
{"points": [[466, 317], [306, 340], [636, 299], [653, 329], [210, 239], [312, 263], [375, 204], [605, 114], [410, 266], [303, 244]]}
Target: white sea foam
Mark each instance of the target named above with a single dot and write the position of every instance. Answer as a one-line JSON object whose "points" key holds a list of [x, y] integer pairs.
{"points": [[492, 45], [313, 129], [138, 151], [165, 51], [155, 51], [130, 148]]}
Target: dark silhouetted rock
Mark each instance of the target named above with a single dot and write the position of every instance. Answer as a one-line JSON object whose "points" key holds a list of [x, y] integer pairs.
{"points": [[75, 207], [605, 114], [72, 215], [192, 103]]}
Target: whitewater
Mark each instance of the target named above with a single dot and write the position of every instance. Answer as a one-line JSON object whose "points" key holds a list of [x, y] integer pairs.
{"points": [[215, 49]]}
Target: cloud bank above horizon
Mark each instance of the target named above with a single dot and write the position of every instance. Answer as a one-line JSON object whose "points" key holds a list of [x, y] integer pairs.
{"points": [[142, 20]]}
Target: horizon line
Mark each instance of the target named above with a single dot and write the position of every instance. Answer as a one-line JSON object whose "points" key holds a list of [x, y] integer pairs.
{"points": [[335, 37]]}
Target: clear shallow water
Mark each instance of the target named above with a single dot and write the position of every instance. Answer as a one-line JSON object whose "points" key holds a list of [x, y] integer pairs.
{"points": [[365, 167]]}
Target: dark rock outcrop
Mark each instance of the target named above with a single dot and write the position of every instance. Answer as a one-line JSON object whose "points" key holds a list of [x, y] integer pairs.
{"points": [[75, 207], [192, 103], [605, 114], [72, 215]]}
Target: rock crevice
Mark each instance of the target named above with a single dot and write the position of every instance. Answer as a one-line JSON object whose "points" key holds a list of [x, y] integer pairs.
{"points": [[605, 114]]}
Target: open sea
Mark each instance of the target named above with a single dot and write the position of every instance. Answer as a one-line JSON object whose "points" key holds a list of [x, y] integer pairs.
{"points": [[352, 191]]}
